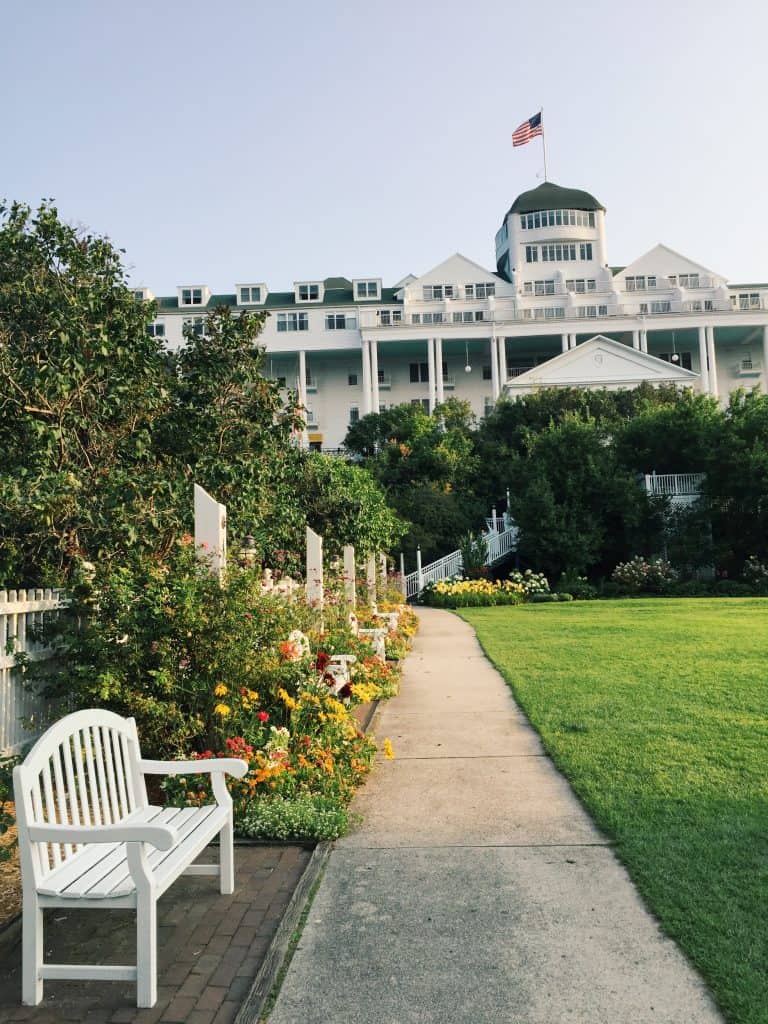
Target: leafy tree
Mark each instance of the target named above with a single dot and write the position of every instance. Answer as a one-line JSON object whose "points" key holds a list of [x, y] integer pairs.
{"points": [[81, 387]]}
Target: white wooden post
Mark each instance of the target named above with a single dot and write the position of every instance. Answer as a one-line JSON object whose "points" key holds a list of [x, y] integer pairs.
{"points": [[419, 577], [211, 529], [314, 569], [370, 572], [350, 583], [403, 585], [383, 568]]}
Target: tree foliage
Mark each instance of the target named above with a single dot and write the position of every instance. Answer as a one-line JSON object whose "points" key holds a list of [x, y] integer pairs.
{"points": [[103, 431]]}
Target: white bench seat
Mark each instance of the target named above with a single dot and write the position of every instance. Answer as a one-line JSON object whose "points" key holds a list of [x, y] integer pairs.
{"points": [[88, 837], [100, 871]]}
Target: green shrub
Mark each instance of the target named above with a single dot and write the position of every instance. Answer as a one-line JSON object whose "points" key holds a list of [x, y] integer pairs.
{"points": [[732, 588], [691, 588], [564, 597], [578, 586], [641, 575], [542, 598]]}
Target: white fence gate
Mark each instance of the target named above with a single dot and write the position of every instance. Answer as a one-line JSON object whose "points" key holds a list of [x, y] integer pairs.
{"points": [[20, 612]]}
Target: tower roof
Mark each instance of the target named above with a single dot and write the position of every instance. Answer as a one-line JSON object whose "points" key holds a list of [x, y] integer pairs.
{"points": [[549, 196]]}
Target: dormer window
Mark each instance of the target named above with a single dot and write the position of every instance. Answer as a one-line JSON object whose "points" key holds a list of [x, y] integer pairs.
{"points": [[249, 294], [191, 296], [309, 292], [367, 289]]}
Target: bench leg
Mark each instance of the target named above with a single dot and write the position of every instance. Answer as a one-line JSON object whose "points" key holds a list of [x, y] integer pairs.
{"points": [[227, 859], [32, 952], [146, 950]]}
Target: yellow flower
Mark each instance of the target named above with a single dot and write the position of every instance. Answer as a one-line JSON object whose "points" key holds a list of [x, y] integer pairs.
{"points": [[219, 690], [223, 710], [286, 698], [389, 752]]}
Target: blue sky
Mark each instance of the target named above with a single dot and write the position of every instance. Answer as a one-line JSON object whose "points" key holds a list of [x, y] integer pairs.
{"points": [[248, 141]]}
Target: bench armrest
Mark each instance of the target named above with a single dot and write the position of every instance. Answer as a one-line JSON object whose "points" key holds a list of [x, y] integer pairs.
{"points": [[231, 765], [164, 837]]}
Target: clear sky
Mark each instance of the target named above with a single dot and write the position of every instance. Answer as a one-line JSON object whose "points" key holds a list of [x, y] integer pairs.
{"points": [[249, 140]]}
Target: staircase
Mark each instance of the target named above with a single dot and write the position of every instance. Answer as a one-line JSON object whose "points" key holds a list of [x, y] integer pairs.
{"points": [[501, 540]]}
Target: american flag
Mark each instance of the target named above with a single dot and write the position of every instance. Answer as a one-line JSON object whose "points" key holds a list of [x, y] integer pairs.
{"points": [[528, 130]]}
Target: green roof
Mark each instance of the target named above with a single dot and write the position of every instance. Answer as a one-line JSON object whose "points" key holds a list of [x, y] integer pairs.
{"points": [[549, 196], [337, 292]]}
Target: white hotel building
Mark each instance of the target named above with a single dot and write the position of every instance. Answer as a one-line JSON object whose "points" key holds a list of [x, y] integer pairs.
{"points": [[554, 313]]}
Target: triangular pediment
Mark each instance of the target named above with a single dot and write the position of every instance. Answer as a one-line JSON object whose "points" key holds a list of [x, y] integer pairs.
{"points": [[663, 261], [601, 362], [457, 270]]}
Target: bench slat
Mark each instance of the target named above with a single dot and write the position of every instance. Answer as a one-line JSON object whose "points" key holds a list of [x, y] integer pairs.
{"points": [[100, 871]]}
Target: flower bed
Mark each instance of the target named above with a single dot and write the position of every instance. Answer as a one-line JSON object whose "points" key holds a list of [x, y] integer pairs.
{"points": [[211, 670]]}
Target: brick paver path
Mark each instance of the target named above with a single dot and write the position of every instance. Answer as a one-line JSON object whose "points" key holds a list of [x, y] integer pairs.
{"points": [[209, 946]]}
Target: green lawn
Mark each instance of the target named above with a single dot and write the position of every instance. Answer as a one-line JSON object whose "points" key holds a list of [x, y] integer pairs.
{"points": [[657, 713]]}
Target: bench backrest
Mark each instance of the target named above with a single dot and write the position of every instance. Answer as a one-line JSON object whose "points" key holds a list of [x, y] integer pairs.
{"points": [[83, 771]]}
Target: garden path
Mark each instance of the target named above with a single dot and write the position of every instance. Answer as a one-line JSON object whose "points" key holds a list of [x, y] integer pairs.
{"points": [[476, 888]]}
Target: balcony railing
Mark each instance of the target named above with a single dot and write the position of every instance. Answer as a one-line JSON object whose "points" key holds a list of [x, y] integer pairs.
{"points": [[673, 484], [542, 314]]}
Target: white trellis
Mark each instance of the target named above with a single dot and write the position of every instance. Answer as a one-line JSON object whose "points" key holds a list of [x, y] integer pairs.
{"points": [[21, 613]]}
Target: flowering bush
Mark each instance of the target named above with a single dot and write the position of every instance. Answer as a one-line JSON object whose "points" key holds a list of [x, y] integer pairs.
{"points": [[530, 582], [653, 575], [578, 586], [222, 669], [461, 593], [756, 574]]}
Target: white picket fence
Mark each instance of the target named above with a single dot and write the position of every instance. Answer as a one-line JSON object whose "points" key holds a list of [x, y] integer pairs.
{"points": [[499, 544], [20, 612]]}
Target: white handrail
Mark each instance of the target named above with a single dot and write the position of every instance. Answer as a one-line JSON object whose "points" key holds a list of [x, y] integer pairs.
{"points": [[498, 545]]}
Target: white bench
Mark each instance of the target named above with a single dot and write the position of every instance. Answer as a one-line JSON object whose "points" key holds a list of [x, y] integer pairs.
{"points": [[89, 838]]}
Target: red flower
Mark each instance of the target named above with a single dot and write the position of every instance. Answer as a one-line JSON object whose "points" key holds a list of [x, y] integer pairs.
{"points": [[263, 716], [321, 660]]}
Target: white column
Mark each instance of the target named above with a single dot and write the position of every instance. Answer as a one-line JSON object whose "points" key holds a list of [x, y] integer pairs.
{"points": [[366, 377], [703, 371], [565, 342], [314, 567], [494, 370], [571, 341], [431, 373], [501, 348], [303, 394], [439, 370], [712, 362], [373, 348], [765, 358], [643, 340], [636, 339]]}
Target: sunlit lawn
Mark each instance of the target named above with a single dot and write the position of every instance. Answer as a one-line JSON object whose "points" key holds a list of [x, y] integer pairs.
{"points": [[657, 712]]}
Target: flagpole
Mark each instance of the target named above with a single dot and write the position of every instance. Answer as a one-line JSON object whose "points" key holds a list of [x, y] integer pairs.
{"points": [[543, 142]]}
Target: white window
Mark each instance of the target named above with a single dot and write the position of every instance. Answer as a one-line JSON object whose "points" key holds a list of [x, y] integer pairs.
{"points": [[339, 322], [585, 251], [438, 291], [531, 254], [688, 280], [309, 292], [430, 318], [352, 380], [749, 300], [481, 290], [589, 311], [661, 307], [250, 294], [544, 287], [156, 330], [556, 218], [195, 325], [387, 317], [367, 290], [293, 321], [191, 296], [559, 252], [354, 414]]}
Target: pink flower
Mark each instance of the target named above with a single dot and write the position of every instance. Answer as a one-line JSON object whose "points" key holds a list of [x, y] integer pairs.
{"points": [[263, 716]]}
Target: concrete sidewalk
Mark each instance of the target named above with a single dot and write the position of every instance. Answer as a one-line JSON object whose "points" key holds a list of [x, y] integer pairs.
{"points": [[477, 889]]}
